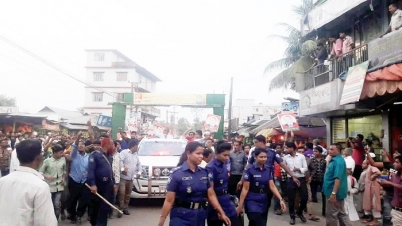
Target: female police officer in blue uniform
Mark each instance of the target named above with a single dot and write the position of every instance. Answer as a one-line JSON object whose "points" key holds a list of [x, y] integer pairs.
{"points": [[257, 180], [188, 189], [218, 176]]}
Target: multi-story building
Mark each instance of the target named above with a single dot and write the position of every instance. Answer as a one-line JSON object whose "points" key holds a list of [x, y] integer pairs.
{"points": [[323, 89], [110, 74]]}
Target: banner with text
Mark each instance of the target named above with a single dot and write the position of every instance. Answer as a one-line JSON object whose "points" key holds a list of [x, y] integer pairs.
{"points": [[288, 122], [212, 123], [162, 99], [353, 86]]}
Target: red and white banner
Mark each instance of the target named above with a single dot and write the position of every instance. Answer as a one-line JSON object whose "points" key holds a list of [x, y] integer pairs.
{"points": [[212, 123], [288, 122]]}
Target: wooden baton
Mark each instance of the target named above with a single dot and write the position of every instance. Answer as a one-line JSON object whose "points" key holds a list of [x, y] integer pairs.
{"points": [[107, 202]]}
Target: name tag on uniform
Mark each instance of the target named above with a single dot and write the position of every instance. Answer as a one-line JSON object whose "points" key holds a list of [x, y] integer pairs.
{"points": [[105, 179], [204, 178], [256, 175], [186, 178]]}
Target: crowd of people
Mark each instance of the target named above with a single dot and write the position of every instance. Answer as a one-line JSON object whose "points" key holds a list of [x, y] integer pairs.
{"points": [[66, 176], [62, 178]]}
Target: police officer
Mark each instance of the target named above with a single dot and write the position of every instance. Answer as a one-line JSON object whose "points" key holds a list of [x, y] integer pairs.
{"points": [[100, 178], [254, 196], [272, 157], [188, 189], [219, 178]]}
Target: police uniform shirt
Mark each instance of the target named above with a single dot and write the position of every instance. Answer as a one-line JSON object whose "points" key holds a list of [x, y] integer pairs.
{"points": [[99, 169], [272, 157], [218, 174], [189, 186], [259, 181]]}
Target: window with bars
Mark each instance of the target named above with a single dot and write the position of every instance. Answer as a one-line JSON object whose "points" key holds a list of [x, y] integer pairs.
{"points": [[122, 76], [98, 76], [119, 97], [99, 57], [97, 97]]}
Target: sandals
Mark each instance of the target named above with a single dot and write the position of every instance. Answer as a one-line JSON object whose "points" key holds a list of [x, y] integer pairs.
{"points": [[314, 218]]}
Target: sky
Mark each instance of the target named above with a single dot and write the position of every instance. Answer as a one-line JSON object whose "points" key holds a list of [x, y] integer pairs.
{"points": [[192, 46]]}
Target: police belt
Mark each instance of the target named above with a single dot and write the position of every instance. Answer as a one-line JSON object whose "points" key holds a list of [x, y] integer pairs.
{"points": [[221, 192], [189, 205], [258, 190]]}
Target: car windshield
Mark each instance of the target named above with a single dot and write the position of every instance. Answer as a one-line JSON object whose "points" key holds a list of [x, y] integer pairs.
{"points": [[157, 148]]}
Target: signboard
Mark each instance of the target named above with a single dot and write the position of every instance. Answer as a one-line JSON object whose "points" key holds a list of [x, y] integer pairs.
{"points": [[170, 99], [318, 99], [104, 120], [385, 50], [354, 84], [8, 110], [288, 122], [212, 123], [52, 127], [290, 107]]}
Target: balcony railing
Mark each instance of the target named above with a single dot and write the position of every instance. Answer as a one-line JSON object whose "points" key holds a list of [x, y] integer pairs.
{"points": [[322, 74]]}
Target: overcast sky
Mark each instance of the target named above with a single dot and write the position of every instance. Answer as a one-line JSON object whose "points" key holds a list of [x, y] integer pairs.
{"points": [[193, 46]]}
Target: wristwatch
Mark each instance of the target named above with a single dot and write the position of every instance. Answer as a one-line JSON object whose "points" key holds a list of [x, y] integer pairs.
{"points": [[333, 193]]}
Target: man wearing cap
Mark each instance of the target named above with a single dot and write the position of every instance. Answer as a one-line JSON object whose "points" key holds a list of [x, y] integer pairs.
{"points": [[77, 178]]}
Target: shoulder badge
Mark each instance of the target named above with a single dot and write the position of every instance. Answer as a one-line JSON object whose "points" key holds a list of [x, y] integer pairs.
{"points": [[246, 176], [277, 155], [91, 159], [210, 175], [175, 169], [169, 179]]}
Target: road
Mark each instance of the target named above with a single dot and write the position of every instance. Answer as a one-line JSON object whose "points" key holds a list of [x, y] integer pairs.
{"points": [[147, 212]]}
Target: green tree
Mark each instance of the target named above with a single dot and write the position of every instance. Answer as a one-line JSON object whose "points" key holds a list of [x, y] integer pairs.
{"points": [[293, 52], [7, 101], [182, 126], [198, 124]]}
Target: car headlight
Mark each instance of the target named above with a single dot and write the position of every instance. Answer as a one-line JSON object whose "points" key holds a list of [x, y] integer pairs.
{"points": [[144, 173]]}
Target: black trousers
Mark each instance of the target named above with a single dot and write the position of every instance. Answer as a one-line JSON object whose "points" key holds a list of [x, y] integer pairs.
{"points": [[316, 187], [76, 196], [101, 210], [234, 221], [292, 189], [357, 172], [232, 184], [257, 219]]}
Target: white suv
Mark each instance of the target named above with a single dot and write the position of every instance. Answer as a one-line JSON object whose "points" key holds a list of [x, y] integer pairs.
{"points": [[158, 157]]}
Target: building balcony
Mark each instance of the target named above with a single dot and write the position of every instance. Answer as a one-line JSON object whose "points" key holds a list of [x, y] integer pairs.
{"points": [[331, 70]]}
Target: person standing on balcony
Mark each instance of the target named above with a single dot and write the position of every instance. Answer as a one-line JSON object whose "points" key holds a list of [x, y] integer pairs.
{"points": [[337, 44], [322, 54], [348, 43], [396, 19]]}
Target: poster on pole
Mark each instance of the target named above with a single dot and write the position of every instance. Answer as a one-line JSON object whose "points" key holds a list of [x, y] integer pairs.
{"points": [[354, 83], [290, 107], [212, 123], [288, 122]]}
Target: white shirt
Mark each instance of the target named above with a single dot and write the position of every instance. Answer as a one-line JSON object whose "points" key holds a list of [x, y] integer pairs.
{"points": [[298, 161], [350, 163], [28, 202], [14, 163], [165, 136], [203, 164], [396, 20]]}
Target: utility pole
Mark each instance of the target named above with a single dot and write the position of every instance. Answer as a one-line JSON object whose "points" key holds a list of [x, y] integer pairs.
{"points": [[230, 108], [173, 117], [134, 87]]}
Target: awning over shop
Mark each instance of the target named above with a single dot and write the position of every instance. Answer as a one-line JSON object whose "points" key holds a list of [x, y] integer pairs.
{"points": [[382, 81], [265, 132]]}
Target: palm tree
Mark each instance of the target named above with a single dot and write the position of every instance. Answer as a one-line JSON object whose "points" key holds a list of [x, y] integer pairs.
{"points": [[293, 52]]}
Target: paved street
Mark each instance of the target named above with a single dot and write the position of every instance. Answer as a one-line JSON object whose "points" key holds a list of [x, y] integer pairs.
{"points": [[147, 212]]}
